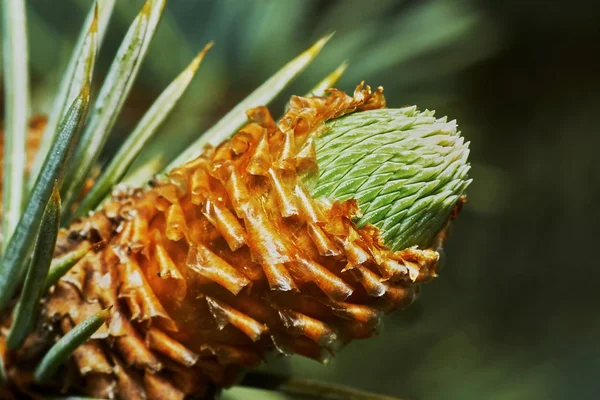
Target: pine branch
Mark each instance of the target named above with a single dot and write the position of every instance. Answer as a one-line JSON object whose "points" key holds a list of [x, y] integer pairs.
{"points": [[308, 388]]}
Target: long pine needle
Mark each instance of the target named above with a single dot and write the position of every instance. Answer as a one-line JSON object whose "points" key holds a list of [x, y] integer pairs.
{"points": [[26, 311], [16, 95]]}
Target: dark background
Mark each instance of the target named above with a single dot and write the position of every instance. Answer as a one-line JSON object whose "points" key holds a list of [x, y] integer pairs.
{"points": [[514, 314]]}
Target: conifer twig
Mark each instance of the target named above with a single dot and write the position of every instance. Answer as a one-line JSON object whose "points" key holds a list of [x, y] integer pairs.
{"points": [[307, 388]]}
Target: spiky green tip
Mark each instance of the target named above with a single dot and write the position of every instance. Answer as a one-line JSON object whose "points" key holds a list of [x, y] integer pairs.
{"points": [[406, 168]]}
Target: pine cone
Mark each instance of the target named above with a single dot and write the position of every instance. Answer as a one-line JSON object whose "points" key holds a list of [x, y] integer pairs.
{"points": [[254, 247]]}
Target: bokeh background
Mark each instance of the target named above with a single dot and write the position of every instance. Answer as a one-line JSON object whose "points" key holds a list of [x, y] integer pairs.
{"points": [[514, 314]]}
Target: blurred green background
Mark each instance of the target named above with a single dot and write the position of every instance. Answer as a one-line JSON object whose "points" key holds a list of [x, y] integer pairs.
{"points": [[514, 314]]}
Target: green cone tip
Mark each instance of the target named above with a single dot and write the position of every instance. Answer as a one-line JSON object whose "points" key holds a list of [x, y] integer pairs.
{"points": [[406, 168]]}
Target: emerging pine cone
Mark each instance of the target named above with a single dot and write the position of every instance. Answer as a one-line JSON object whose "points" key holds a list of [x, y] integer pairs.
{"points": [[293, 237]]}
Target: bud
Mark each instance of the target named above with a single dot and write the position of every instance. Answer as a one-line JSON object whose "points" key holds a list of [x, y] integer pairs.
{"points": [[406, 168]]}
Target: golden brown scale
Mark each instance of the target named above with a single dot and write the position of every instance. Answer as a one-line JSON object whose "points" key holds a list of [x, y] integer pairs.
{"points": [[227, 259]]}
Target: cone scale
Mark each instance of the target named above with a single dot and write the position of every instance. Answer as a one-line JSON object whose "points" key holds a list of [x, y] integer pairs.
{"points": [[294, 237]]}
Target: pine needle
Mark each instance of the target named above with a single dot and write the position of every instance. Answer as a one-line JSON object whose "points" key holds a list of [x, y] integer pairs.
{"points": [[111, 98], [329, 81], [142, 133], [62, 349], [26, 311], [21, 243], [308, 389], [235, 118], [73, 79], [2, 372], [61, 265], [16, 95]]}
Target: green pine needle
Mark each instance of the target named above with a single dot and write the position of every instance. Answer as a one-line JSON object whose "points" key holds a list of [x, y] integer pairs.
{"points": [[111, 98], [72, 398], [142, 133], [304, 388], [2, 372], [405, 168], [78, 71], [329, 81], [61, 265], [26, 310], [16, 94], [236, 118], [139, 174], [62, 349], [21, 243]]}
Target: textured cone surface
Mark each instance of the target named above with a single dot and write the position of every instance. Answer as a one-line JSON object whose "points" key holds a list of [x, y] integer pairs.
{"points": [[405, 168], [228, 258]]}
